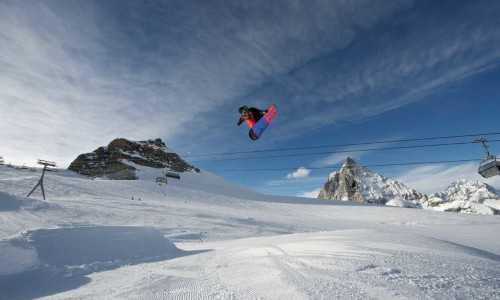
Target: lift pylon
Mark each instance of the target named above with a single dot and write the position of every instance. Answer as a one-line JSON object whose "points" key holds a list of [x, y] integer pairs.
{"points": [[45, 164]]}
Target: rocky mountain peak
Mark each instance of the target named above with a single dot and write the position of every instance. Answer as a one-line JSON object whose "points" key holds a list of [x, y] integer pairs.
{"points": [[116, 161], [355, 182], [348, 162]]}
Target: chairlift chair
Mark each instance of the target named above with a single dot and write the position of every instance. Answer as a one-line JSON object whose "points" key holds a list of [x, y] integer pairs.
{"points": [[489, 166], [172, 174], [161, 180]]}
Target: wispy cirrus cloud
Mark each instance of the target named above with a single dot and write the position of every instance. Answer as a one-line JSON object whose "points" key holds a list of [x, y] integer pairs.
{"points": [[435, 178], [439, 52], [356, 152], [81, 73], [75, 75]]}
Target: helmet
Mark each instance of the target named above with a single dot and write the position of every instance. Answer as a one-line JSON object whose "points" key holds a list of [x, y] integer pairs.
{"points": [[243, 108]]}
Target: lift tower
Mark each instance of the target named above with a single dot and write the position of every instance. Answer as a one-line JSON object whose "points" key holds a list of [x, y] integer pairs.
{"points": [[45, 164]]}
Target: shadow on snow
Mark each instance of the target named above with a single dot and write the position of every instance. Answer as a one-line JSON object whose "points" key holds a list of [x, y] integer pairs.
{"points": [[67, 255]]}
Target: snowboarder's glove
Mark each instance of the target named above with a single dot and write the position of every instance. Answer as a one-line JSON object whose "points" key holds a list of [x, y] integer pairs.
{"points": [[240, 121]]}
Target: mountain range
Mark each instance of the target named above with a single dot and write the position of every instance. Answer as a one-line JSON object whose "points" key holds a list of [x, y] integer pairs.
{"points": [[357, 183], [122, 159]]}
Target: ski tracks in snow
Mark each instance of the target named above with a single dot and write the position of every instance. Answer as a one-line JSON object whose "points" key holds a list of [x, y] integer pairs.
{"points": [[351, 264], [345, 264]]}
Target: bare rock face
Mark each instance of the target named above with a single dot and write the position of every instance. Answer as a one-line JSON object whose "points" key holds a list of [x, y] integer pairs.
{"points": [[117, 159], [356, 183], [343, 185]]}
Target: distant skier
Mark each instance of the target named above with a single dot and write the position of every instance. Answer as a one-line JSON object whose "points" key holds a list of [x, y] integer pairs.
{"points": [[252, 115]]}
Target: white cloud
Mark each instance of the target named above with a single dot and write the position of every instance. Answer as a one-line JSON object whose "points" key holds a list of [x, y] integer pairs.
{"points": [[299, 173]]}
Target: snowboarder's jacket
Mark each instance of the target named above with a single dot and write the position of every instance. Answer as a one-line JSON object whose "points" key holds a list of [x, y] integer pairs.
{"points": [[252, 115]]}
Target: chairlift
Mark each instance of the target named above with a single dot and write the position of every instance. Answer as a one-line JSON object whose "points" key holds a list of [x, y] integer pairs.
{"points": [[172, 174], [489, 166], [161, 180]]}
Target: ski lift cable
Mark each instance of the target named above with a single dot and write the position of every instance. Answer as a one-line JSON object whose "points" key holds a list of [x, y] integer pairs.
{"points": [[338, 167], [342, 151], [347, 144]]}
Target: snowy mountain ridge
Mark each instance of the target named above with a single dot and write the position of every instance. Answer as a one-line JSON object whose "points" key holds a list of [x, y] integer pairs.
{"points": [[357, 183], [466, 196], [468, 190]]}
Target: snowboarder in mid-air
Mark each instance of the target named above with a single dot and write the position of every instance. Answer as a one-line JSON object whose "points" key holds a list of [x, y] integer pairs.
{"points": [[252, 115], [255, 120]]}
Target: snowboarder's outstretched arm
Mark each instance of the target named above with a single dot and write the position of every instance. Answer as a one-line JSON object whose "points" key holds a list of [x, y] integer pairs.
{"points": [[240, 121]]}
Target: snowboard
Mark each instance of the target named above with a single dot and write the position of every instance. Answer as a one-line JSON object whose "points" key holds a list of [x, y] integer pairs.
{"points": [[259, 127]]}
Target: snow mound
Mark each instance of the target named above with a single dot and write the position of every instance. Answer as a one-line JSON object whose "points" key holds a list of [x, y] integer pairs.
{"points": [[84, 249], [107, 246], [398, 202], [14, 219], [17, 256], [8, 203]]}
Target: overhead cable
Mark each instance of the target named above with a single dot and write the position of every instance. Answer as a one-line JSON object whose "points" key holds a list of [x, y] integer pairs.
{"points": [[347, 144], [338, 167], [341, 151]]}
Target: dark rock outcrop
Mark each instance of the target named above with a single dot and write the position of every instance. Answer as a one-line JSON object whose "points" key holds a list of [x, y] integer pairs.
{"points": [[117, 159]]}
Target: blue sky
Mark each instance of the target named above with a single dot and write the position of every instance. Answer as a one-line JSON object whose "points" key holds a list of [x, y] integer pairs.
{"points": [[76, 74]]}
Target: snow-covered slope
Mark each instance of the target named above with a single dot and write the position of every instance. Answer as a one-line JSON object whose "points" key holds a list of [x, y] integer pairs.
{"points": [[201, 237]]}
